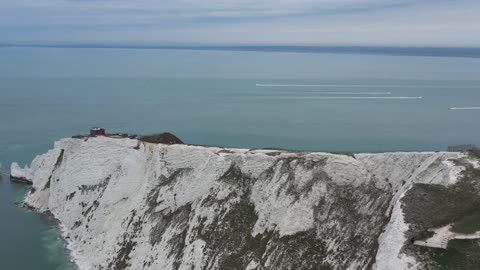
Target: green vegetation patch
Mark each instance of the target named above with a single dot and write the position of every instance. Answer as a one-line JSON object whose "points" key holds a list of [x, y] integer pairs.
{"points": [[427, 207], [303, 250], [468, 224], [163, 138], [461, 254], [433, 206], [229, 238], [475, 153]]}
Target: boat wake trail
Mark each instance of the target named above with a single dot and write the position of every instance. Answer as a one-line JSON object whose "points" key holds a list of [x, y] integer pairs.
{"points": [[345, 93], [465, 108], [343, 97], [359, 85]]}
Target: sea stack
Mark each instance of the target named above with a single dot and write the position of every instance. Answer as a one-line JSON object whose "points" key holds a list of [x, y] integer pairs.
{"points": [[20, 175]]}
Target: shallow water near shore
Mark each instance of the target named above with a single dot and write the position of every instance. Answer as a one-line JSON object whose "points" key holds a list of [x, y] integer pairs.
{"points": [[28, 240], [241, 99]]}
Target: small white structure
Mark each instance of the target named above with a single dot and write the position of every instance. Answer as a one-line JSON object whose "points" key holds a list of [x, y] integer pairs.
{"points": [[442, 236]]}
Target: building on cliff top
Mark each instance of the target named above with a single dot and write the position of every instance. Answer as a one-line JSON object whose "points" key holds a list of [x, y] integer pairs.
{"points": [[97, 131]]}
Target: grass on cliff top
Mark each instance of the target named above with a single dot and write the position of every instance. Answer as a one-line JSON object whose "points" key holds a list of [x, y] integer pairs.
{"points": [[432, 206], [163, 138], [468, 224], [461, 254], [475, 153], [427, 206]]}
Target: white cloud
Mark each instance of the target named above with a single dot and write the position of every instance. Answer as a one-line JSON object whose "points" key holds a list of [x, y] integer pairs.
{"points": [[343, 22]]}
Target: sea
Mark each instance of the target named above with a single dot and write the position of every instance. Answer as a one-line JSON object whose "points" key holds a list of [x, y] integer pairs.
{"points": [[312, 101]]}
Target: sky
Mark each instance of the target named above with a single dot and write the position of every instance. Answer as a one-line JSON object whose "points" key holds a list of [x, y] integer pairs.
{"points": [[442, 23]]}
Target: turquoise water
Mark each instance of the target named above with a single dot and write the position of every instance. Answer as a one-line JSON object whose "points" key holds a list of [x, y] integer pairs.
{"points": [[325, 102]]}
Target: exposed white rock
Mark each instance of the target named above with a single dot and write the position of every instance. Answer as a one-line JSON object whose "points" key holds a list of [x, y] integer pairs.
{"points": [[168, 207], [391, 241], [17, 172], [475, 163], [401, 169]]}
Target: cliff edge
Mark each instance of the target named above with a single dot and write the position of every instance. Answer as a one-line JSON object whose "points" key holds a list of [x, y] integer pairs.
{"points": [[127, 204]]}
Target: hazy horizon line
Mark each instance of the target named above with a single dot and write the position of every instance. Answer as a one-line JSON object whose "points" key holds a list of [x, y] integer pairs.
{"points": [[434, 51]]}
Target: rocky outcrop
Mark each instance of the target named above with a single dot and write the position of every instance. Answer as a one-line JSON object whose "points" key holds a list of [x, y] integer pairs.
{"points": [[125, 204], [163, 138], [20, 175]]}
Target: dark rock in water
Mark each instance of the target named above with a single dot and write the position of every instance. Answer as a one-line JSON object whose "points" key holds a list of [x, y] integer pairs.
{"points": [[21, 180], [163, 138]]}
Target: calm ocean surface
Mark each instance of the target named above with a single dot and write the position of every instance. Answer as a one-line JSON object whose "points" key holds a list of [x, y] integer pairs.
{"points": [[244, 99]]}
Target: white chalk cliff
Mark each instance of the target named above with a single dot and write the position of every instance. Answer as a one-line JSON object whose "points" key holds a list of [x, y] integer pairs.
{"points": [[157, 206]]}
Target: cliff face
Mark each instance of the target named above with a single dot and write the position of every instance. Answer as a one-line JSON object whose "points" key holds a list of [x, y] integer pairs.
{"points": [[124, 204]]}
